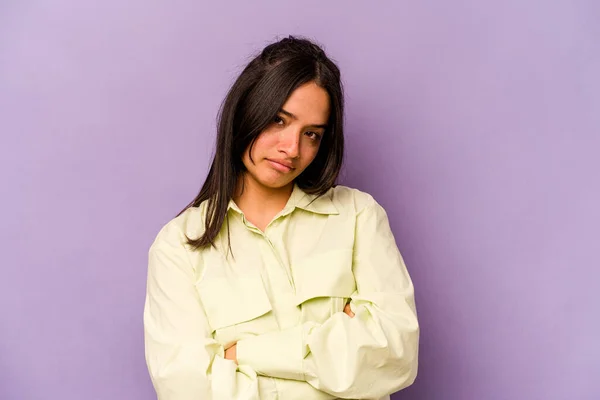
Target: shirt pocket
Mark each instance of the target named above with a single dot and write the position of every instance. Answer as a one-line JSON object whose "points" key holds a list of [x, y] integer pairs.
{"points": [[236, 306], [324, 283]]}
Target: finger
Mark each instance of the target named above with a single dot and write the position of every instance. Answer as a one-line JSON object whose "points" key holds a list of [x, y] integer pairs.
{"points": [[348, 311]]}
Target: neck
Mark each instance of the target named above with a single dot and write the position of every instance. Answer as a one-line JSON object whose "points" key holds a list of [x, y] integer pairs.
{"points": [[254, 198]]}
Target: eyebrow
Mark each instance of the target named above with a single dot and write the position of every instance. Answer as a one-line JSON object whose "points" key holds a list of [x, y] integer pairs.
{"points": [[289, 114]]}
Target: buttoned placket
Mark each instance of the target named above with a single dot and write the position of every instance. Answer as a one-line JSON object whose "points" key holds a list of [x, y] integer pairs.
{"points": [[264, 235], [276, 273]]}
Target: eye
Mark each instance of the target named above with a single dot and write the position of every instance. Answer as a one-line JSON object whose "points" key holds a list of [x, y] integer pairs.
{"points": [[278, 120], [313, 135]]}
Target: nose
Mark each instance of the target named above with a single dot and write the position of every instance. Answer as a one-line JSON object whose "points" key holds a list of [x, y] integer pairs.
{"points": [[289, 143]]}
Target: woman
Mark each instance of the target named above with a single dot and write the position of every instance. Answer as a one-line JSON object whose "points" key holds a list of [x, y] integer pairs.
{"points": [[273, 283]]}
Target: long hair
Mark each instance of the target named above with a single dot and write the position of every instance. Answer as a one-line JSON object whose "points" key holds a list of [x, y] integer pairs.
{"points": [[250, 106]]}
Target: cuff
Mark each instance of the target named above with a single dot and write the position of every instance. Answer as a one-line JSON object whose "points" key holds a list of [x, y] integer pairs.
{"points": [[276, 354], [229, 381]]}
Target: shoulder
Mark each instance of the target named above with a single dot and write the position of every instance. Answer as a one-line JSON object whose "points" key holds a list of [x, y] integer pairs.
{"points": [[351, 200], [188, 224]]}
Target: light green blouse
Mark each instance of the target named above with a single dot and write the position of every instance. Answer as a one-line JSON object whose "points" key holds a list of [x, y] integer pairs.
{"points": [[280, 295]]}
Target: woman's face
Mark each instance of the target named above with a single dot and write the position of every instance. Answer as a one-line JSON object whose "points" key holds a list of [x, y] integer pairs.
{"points": [[291, 142]]}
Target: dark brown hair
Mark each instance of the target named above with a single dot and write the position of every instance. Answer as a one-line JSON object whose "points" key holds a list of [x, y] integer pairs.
{"points": [[250, 106]]}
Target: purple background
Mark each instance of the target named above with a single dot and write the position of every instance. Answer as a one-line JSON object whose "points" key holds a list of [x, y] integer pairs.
{"points": [[476, 125]]}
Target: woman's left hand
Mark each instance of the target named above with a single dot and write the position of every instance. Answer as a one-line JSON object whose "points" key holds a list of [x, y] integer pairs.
{"points": [[348, 310]]}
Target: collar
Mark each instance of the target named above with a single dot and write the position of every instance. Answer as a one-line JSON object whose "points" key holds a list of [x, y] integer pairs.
{"points": [[300, 199]]}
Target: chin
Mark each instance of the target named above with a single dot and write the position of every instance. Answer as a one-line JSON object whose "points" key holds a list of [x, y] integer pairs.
{"points": [[274, 184], [269, 182]]}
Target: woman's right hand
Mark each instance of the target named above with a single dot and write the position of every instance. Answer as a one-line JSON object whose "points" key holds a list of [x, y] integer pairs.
{"points": [[231, 353]]}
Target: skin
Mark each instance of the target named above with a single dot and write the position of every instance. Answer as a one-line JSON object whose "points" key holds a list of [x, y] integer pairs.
{"points": [[293, 140]]}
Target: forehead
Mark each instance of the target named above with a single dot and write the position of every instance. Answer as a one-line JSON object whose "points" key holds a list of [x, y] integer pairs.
{"points": [[309, 103]]}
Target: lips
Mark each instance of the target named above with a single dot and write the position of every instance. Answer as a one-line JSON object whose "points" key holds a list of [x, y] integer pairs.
{"points": [[281, 165]]}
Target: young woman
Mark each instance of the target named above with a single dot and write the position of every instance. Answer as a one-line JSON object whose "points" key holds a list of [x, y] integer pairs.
{"points": [[274, 283]]}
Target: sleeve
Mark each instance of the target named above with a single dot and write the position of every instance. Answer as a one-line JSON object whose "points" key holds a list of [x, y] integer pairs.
{"points": [[184, 361], [371, 355]]}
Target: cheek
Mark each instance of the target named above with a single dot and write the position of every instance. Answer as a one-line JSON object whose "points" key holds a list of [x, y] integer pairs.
{"points": [[310, 154], [263, 145]]}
